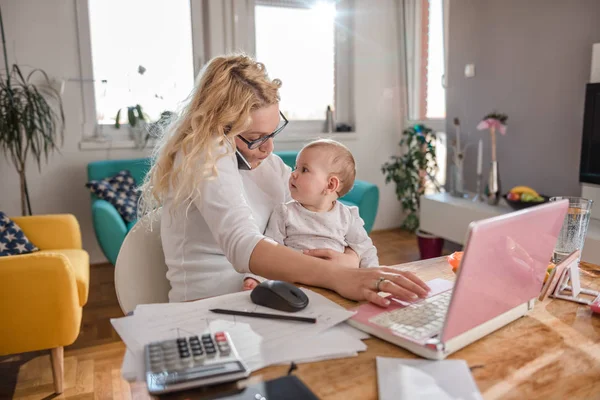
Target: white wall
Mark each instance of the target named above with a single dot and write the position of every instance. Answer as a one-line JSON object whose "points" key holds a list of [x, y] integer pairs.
{"points": [[44, 34]]}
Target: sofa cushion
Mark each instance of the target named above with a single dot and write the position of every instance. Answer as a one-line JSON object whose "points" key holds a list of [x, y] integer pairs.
{"points": [[12, 239], [80, 265], [119, 190]]}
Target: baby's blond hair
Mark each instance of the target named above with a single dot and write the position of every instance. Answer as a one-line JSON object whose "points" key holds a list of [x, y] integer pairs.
{"points": [[341, 163]]}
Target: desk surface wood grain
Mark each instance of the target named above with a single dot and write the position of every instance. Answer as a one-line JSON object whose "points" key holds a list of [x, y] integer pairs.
{"points": [[552, 353]]}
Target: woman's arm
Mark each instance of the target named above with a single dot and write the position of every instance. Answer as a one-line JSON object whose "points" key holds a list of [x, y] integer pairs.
{"points": [[222, 204], [274, 261]]}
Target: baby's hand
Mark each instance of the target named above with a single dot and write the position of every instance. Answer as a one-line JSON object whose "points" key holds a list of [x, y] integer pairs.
{"points": [[249, 284]]}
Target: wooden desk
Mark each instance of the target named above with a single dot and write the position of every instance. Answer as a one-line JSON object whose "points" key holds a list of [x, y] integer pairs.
{"points": [[553, 353]]}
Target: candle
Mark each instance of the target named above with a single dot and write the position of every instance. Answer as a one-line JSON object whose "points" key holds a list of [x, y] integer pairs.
{"points": [[479, 157]]}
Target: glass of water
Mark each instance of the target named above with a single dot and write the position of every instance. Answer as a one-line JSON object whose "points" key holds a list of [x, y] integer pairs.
{"points": [[574, 229]]}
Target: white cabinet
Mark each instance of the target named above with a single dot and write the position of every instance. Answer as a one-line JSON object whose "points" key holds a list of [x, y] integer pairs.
{"points": [[449, 217]]}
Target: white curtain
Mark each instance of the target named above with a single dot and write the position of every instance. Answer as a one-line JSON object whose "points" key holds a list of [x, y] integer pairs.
{"points": [[221, 27]]}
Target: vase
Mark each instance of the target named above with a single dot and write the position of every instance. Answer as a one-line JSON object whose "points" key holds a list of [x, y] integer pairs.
{"points": [[430, 246], [457, 180], [493, 187]]}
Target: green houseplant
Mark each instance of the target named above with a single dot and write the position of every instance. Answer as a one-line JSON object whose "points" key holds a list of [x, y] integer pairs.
{"points": [[140, 128], [411, 172], [29, 123], [137, 120]]}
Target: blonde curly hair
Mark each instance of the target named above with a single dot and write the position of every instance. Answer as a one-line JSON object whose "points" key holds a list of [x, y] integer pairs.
{"points": [[227, 90]]}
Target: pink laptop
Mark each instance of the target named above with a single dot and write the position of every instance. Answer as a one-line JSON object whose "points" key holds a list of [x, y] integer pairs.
{"points": [[501, 275]]}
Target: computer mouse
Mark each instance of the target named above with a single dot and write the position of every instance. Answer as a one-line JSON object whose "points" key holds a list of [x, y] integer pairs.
{"points": [[279, 295]]}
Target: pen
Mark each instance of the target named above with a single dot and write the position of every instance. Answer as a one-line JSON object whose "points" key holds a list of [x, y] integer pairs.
{"points": [[263, 315]]}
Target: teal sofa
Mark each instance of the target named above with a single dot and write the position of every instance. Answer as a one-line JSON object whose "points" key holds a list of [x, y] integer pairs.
{"points": [[111, 229], [109, 226]]}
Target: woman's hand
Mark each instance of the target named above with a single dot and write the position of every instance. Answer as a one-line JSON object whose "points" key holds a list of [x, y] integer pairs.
{"points": [[365, 283], [348, 258]]}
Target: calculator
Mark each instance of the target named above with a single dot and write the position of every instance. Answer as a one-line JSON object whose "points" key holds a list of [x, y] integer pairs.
{"points": [[193, 361]]}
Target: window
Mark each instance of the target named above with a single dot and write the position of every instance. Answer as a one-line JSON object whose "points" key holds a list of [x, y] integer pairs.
{"points": [[433, 62], [140, 53], [306, 45], [425, 59], [425, 56], [143, 52]]}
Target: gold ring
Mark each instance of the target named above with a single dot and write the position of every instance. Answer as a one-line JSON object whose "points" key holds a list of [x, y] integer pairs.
{"points": [[378, 283]]}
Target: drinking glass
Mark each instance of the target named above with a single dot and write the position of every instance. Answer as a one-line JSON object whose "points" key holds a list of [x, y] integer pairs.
{"points": [[574, 229]]}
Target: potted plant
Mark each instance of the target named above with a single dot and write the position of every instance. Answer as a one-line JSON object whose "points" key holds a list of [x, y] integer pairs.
{"points": [[411, 172], [137, 123], [29, 123]]}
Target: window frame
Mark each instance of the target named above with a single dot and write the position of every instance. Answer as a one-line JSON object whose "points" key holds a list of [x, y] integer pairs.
{"points": [[239, 33], [437, 124], [344, 111], [91, 130]]}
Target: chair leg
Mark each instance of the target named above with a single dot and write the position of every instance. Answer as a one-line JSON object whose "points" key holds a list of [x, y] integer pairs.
{"points": [[58, 366]]}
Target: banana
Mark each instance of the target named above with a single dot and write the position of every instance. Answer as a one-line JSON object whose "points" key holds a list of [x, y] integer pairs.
{"points": [[524, 189]]}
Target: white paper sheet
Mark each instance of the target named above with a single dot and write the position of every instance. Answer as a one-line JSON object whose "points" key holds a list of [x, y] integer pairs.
{"points": [[400, 379], [328, 345], [352, 331], [260, 342]]}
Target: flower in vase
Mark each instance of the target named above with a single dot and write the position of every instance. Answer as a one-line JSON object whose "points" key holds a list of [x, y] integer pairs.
{"points": [[494, 120]]}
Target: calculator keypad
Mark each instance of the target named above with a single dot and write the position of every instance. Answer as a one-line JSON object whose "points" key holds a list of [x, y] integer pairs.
{"points": [[191, 362], [185, 353]]}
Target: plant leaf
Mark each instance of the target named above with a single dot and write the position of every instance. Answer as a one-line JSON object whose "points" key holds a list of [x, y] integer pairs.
{"points": [[118, 119], [131, 116]]}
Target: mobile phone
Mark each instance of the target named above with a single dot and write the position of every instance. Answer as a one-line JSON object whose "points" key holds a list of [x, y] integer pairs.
{"points": [[242, 162]]}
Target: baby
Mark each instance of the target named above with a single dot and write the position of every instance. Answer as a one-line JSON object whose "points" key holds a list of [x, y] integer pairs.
{"points": [[325, 171]]}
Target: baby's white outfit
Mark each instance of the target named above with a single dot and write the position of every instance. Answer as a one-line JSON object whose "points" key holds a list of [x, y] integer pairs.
{"points": [[299, 228]]}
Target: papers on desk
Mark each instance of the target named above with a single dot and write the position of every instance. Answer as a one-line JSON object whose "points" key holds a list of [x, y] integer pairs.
{"points": [[260, 342], [401, 379]]}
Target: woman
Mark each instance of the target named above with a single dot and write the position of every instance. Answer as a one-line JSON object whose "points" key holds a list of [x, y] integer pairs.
{"points": [[215, 211]]}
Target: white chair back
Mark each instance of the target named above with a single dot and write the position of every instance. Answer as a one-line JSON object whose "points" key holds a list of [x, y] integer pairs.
{"points": [[140, 271]]}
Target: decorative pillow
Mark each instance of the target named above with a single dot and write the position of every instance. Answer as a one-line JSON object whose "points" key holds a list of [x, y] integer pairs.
{"points": [[120, 191], [12, 239]]}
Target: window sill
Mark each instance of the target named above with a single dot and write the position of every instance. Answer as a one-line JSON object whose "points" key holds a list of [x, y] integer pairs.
{"points": [[288, 137], [99, 144]]}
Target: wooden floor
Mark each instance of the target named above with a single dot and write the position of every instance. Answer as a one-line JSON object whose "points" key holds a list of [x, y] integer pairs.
{"points": [[93, 362]]}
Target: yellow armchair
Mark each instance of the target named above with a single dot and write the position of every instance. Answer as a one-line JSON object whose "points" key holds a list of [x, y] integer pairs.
{"points": [[42, 293]]}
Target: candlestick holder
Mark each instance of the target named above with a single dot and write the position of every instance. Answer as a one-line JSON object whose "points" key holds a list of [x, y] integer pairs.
{"points": [[479, 194], [494, 191]]}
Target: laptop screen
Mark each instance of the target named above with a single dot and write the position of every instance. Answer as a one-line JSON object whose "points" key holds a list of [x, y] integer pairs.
{"points": [[503, 266]]}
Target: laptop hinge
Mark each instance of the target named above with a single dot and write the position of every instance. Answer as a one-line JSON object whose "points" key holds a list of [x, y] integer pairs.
{"points": [[435, 345]]}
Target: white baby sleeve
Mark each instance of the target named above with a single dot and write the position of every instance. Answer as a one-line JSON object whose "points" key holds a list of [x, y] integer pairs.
{"points": [[277, 222], [359, 241]]}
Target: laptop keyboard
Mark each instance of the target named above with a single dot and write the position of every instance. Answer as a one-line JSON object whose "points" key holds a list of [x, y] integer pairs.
{"points": [[419, 320]]}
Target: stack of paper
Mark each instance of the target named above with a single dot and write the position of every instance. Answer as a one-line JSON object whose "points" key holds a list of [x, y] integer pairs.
{"points": [[401, 379], [260, 342]]}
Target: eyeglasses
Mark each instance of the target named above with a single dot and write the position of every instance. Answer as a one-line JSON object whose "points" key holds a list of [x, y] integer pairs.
{"points": [[255, 144]]}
